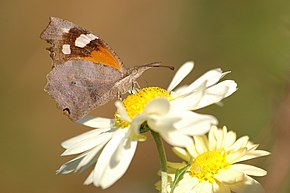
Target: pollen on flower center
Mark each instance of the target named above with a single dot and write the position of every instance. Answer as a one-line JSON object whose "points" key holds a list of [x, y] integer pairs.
{"points": [[135, 103], [206, 165]]}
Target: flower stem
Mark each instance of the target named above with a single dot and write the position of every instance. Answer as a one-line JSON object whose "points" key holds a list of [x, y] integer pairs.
{"points": [[163, 160]]}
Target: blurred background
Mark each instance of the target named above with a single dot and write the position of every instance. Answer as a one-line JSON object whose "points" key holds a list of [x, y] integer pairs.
{"points": [[251, 38]]}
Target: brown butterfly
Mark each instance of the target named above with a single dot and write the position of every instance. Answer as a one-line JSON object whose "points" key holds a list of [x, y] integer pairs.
{"points": [[86, 72]]}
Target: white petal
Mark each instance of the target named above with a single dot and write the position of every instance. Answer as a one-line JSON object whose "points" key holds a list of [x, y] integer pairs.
{"points": [[178, 134], [162, 123], [219, 135], [216, 93], [211, 77], [253, 154], [180, 91], [175, 138], [89, 179], [251, 146], [137, 122], [70, 166], [249, 170], [220, 188], [96, 122], [229, 84], [230, 176], [90, 155], [201, 144], [212, 140], [181, 73], [159, 106], [125, 144], [229, 140], [185, 185], [107, 170], [192, 151], [182, 153], [175, 165], [87, 144], [106, 155], [205, 187], [90, 134], [189, 101], [233, 157], [194, 123], [240, 143], [248, 185], [122, 111]]}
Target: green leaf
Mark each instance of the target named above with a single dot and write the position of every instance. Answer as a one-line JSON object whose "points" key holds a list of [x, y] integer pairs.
{"points": [[178, 176]]}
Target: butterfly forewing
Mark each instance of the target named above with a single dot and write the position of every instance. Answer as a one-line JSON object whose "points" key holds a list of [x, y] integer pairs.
{"points": [[71, 42]]}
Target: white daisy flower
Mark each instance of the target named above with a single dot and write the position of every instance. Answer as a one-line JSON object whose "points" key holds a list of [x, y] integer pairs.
{"points": [[202, 92], [213, 164], [152, 106], [111, 146]]}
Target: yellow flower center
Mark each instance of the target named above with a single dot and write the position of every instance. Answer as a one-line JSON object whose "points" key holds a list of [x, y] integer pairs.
{"points": [[135, 103], [206, 165]]}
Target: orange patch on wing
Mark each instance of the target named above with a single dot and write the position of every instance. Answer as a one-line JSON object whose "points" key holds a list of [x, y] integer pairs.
{"points": [[104, 56]]}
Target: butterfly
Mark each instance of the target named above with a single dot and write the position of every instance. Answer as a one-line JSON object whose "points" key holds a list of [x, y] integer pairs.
{"points": [[86, 72]]}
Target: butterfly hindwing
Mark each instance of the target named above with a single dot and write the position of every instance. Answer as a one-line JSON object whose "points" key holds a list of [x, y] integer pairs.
{"points": [[78, 87]]}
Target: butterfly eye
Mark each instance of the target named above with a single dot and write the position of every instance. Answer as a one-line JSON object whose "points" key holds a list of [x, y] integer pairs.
{"points": [[134, 71], [73, 83]]}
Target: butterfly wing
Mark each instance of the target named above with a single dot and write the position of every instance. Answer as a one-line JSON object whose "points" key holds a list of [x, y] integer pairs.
{"points": [[85, 68], [71, 42], [87, 73], [79, 86]]}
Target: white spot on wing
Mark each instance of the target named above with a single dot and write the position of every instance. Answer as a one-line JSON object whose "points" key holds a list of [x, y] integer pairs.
{"points": [[66, 49], [83, 40], [92, 36], [65, 30]]}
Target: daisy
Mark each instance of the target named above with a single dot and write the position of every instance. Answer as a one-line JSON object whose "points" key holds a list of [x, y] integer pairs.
{"points": [[110, 146], [211, 164], [204, 91]]}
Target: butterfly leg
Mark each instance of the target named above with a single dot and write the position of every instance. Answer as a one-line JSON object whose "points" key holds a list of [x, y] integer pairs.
{"points": [[135, 87], [119, 96]]}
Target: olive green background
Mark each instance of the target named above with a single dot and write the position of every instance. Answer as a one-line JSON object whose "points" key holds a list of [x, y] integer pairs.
{"points": [[251, 38]]}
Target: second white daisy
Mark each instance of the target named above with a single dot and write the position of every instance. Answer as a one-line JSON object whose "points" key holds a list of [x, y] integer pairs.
{"points": [[213, 164]]}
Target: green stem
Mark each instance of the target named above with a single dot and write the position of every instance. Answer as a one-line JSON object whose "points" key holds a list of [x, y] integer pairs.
{"points": [[163, 160]]}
